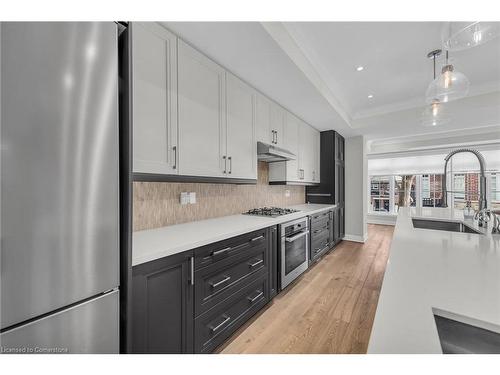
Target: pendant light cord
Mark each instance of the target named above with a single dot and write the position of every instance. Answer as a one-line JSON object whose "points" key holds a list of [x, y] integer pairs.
{"points": [[434, 58]]}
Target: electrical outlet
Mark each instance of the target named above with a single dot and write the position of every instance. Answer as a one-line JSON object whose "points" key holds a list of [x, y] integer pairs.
{"points": [[184, 198], [192, 197], [287, 193]]}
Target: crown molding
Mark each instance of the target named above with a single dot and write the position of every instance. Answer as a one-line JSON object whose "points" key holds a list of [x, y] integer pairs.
{"points": [[310, 69]]}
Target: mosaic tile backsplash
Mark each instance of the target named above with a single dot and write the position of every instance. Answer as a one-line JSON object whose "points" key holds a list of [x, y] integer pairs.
{"points": [[156, 204]]}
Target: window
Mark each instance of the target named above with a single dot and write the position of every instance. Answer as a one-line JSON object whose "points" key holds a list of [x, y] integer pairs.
{"points": [[379, 194], [465, 188], [405, 191], [495, 191], [388, 193], [432, 195]]}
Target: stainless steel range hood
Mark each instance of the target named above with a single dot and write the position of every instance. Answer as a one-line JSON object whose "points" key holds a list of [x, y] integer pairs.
{"points": [[270, 153]]}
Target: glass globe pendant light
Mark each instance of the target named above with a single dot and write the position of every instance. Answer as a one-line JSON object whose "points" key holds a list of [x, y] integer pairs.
{"points": [[449, 85], [434, 114], [458, 36]]}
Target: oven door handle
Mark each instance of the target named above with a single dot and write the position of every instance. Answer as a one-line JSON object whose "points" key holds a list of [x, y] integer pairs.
{"points": [[296, 237]]}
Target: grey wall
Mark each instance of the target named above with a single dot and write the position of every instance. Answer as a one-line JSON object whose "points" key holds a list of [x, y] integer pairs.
{"points": [[356, 170]]}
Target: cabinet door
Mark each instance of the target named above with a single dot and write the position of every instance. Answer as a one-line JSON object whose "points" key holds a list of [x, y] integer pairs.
{"points": [[306, 152], [336, 225], [339, 147], [277, 124], [263, 129], [154, 98], [303, 151], [162, 305], [201, 113], [291, 143], [241, 144], [273, 263], [317, 156]]}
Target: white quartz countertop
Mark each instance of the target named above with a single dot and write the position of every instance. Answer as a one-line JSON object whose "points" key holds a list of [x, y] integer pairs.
{"points": [[148, 245], [454, 274]]}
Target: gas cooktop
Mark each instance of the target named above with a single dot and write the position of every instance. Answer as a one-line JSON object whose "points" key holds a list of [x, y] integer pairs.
{"points": [[270, 211]]}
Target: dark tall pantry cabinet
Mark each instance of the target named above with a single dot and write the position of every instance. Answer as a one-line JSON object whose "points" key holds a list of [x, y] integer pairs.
{"points": [[331, 190]]}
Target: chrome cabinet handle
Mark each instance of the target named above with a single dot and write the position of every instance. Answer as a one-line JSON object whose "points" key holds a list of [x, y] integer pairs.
{"points": [[276, 136], [230, 164], [175, 157], [218, 326], [297, 236], [257, 238], [252, 265], [225, 163], [192, 270], [252, 300], [272, 139], [224, 280], [215, 253]]}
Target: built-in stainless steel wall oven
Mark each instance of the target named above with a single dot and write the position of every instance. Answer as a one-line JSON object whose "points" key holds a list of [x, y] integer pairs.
{"points": [[294, 250]]}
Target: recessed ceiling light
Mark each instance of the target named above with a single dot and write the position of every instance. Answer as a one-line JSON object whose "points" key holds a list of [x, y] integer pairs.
{"points": [[359, 68], [370, 96]]}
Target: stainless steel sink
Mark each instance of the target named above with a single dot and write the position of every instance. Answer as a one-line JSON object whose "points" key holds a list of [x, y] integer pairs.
{"points": [[450, 226], [461, 338]]}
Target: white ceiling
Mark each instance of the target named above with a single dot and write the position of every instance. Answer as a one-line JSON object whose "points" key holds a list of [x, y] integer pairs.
{"points": [[394, 56], [310, 68]]}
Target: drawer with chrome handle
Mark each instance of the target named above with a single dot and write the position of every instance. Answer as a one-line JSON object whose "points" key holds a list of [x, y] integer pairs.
{"points": [[215, 283], [233, 247], [225, 319], [321, 229], [318, 251], [218, 323], [259, 294], [224, 280], [320, 215]]}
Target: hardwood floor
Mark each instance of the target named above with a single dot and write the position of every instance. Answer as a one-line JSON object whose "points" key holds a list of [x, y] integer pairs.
{"points": [[330, 309]]}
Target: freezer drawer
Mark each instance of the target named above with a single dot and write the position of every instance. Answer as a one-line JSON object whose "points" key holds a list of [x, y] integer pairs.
{"points": [[89, 327]]}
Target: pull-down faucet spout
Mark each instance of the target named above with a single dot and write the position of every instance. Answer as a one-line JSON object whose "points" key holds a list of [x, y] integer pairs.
{"points": [[482, 180]]}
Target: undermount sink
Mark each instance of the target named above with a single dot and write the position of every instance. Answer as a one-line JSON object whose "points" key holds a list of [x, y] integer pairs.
{"points": [[450, 226], [462, 338]]}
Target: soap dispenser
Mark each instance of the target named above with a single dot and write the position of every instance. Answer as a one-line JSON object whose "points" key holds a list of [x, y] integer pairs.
{"points": [[468, 211]]}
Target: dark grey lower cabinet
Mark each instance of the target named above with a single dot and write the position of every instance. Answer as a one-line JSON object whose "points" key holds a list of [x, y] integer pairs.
{"points": [[215, 326], [192, 302], [338, 225], [162, 305], [273, 263], [321, 234]]}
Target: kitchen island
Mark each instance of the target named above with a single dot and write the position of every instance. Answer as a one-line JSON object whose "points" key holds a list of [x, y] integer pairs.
{"points": [[452, 274]]}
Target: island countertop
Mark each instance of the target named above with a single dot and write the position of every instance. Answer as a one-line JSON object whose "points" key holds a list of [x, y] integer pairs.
{"points": [[151, 244], [454, 274]]}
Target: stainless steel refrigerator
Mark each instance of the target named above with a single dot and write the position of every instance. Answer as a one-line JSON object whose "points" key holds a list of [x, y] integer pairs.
{"points": [[59, 188]]}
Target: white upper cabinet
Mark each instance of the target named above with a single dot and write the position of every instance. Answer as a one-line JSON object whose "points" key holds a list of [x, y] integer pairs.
{"points": [[289, 170], [154, 99], [263, 119], [201, 114], [304, 141], [304, 149], [193, 118], [277, 124], [317, 157], [241, 149], [270, 121], [309, 154]]}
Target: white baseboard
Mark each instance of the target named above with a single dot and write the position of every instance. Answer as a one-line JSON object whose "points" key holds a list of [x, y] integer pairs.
{"points": [[355, 238], [381, 222]]}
